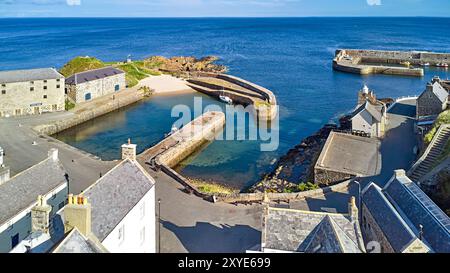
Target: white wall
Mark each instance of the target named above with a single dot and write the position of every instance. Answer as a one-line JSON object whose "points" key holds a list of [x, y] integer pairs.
{"points": [[133, 225], [362, 122]]}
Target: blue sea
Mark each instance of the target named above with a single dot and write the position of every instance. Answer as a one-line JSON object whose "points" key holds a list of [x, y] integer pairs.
{"points": [[290, 56]]}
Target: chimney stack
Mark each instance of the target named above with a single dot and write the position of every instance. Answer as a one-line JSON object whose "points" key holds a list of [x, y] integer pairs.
{"points": [[40, 216], [129, 151], [353, 209], [400, 173], [77, 214]]}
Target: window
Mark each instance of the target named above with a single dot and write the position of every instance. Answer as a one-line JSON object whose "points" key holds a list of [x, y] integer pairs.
{"points": [[45, 87], [87, 96], [45, 96], [31, 82], [14, 240], [142, 235], [117, 87], [31, 89], [61, 205], [58, 86], [121, 233], [3, 92], [58, 80], [142, 209], [45, 81], [3, 84]]}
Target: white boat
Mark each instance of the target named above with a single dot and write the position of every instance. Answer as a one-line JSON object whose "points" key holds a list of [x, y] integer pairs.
{"points": [[225, 99], [173, 130], [424, 64], [442, 65]]}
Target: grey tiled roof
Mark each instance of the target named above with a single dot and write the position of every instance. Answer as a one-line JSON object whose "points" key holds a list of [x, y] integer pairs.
{"points": [[75, 242], [22, 190], [373, 110], [419, 209], [29, 75], [115, 194], [439, 91], [93, 75], [390, 222], [301, 231]]}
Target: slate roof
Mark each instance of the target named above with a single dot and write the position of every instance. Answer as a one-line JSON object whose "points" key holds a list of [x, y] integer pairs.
{"points": [[93, 75], [437, 90], [390, 222], [411, 202], [22, 190], [29, 75], [114, 195], [75, 242], [304, 231], [373, 110]]}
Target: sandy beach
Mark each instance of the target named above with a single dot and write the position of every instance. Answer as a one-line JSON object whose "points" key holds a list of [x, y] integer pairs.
{"points": [[166, 84]]}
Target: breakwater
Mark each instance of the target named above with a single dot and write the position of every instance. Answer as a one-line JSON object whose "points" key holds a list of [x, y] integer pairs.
{"points": [[239, 90], [406, 63]]}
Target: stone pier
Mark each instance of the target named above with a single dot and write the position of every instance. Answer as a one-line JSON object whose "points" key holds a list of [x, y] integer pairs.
{"points": [[406, 63]]}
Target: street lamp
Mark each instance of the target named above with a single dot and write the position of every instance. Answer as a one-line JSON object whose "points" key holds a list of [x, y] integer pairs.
{"points": [[159, 225]]}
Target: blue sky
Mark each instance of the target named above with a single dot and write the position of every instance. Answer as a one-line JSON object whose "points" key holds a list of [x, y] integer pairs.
{"points": [[221, 8]]}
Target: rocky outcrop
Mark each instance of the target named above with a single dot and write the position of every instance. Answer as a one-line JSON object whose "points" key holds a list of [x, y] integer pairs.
{"points": [[297, 166], [181, 65]]}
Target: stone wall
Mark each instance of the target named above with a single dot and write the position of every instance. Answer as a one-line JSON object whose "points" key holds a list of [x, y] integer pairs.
{"points": [[372, 232], [428, 104], [112, 105], [324, 176], [96, 88], [27, 98]]}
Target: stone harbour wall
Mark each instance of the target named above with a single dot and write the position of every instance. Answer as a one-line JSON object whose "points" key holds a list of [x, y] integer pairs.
{"points": [[61, 125]]}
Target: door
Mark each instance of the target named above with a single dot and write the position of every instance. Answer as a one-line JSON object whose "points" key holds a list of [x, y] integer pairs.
{"points": [[14, 240]]}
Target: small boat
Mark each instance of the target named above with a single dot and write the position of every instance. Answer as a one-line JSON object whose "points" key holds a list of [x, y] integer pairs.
{"points": [[406, 63], [442, 65], [226, 99], [173, 130], [424, 64]]}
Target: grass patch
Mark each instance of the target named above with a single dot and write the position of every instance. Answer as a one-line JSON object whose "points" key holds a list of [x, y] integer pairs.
{"points": [[81, 64], [443, 118], [308, 186], [68, 105], [211, 187]]}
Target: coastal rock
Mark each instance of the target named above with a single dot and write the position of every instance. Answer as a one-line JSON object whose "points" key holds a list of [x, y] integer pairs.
{"points": [[297, 165], [179, 65]]}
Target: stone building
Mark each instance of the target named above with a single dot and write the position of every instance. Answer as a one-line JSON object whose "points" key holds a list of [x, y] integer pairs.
{"points": [[33, 91], [288, 230], [345, 156], [433, 100], [92, 84], [400, 218], [369, 117], [19, 199]]}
